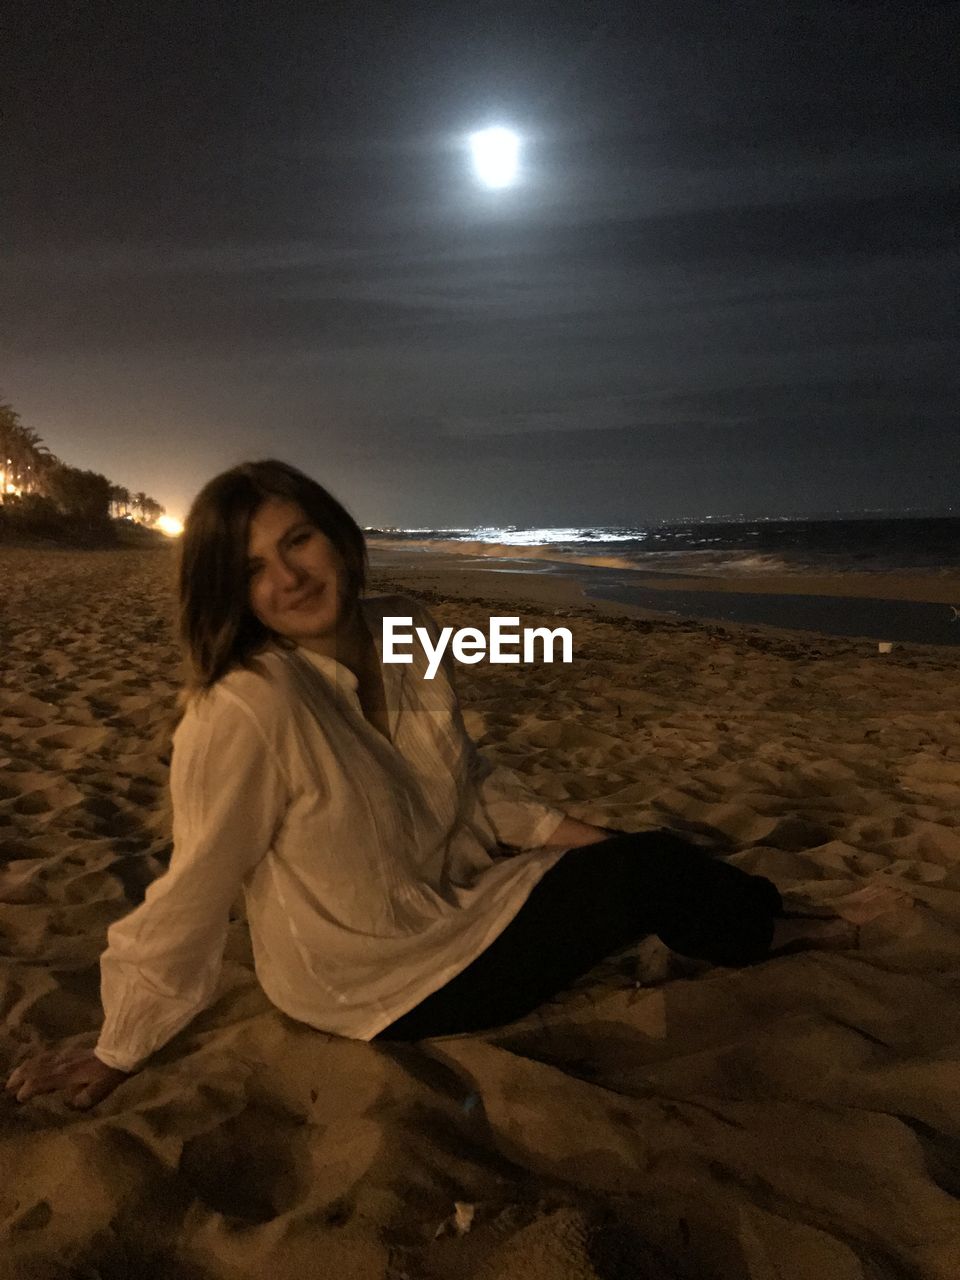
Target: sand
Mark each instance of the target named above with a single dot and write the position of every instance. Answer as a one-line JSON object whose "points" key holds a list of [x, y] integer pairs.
{"points": [[798, 1120]]}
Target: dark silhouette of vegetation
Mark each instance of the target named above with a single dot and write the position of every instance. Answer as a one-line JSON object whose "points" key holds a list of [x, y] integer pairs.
{"points": [[43, 497]]}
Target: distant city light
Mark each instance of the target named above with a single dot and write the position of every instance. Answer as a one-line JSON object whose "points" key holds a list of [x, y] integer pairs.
{"points": [[172, 528], [495, 155]]}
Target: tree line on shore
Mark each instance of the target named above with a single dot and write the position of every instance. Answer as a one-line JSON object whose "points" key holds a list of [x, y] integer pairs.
{"points": [[40, 495]]}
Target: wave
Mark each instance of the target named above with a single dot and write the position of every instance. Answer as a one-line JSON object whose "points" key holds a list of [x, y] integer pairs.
{"points": [[929, 546], [656, 561], [499, 551]]}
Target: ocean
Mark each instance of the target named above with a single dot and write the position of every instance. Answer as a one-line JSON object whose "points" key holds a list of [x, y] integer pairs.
{"points": [[610, 560]]}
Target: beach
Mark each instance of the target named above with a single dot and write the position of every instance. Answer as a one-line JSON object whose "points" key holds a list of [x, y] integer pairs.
{"points": [[796, 1120]]}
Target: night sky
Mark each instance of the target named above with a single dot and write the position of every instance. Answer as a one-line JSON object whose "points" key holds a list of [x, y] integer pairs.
{"points": [[726, 280]]}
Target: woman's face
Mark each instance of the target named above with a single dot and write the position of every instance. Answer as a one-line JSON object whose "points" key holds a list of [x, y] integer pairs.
{"points": [[298, 582]]}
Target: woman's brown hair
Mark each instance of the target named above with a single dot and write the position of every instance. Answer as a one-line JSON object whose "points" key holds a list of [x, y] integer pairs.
{"points": [[218, 630]]}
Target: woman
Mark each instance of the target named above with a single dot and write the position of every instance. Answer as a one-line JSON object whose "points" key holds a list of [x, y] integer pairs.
{"points": [[344, 798]]}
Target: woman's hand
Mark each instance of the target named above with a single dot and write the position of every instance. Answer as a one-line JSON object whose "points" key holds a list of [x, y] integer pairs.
{"points": [[82, 1078]]}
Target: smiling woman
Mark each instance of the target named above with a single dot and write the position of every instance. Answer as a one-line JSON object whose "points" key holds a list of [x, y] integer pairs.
{"points": [[344, 798], [268, 554], [298, 580]]}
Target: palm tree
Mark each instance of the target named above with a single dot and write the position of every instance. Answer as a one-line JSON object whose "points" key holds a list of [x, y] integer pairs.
{"points": [[153, 510], [47, 462], [28, 450], [120, 501], [28, 466], [9, 433]]}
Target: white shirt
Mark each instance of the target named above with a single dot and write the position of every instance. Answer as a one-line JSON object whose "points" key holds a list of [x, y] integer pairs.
{"points": [[367, 866]]}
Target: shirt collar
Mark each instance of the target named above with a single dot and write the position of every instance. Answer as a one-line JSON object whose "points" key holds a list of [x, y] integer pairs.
{"points": [[372, 610], [329, 667]]}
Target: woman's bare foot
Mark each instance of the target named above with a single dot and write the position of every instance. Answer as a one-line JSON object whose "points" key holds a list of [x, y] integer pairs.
{"points": [[812, 934]]}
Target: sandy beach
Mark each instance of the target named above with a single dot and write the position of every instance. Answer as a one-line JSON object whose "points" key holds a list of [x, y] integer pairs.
{"points": [[797, 1120]]}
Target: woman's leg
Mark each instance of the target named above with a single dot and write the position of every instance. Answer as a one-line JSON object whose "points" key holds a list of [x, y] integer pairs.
{"points": [[594, 902]]}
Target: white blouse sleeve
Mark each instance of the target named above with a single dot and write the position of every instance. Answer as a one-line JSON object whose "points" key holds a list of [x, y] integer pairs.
{"points": [[163, 960], [515, 813], [517, 816]]}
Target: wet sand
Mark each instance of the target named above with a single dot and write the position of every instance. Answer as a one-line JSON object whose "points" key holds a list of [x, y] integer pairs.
{"points": [[898, 607]]}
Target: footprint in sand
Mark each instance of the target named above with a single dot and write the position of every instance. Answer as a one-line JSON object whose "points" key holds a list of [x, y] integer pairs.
{"points": [[32, 804], [74, 738], [871, 902], [143, 794], [252, 1167], [109, 818], [21, 884], [101, 709], [14, 850], [23, 705]]}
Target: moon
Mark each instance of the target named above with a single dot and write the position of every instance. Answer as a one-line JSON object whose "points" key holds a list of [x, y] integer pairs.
{"points": [[495, 154]]}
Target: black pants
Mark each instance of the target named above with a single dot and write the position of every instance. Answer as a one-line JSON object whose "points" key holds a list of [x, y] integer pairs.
{"points": [[596, 901]]}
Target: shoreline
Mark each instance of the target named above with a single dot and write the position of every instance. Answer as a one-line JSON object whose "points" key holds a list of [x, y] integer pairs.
{"points": [[791, 600]]}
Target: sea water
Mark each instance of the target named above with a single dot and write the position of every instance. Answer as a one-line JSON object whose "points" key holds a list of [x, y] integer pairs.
{"points": [[610, 562]]}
